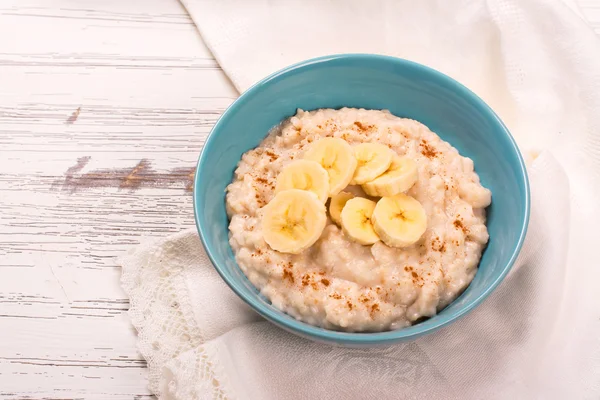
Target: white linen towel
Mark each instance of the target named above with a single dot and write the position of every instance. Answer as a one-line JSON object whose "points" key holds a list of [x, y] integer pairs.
{"points": [[536, 337]]}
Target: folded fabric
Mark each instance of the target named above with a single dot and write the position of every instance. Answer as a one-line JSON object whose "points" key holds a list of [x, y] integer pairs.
{"points": [[213, 346], [537, 336]]}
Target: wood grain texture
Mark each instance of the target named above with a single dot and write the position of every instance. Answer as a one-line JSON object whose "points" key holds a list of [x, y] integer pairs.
{"points": [[104, 106]]}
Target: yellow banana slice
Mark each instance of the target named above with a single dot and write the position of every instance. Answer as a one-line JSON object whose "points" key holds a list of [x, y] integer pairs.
{"points": [[337, 157], [336, 205], [304, 175], [399, 177], [399, 220], [373, 160], [356, 220], [293, 221]]}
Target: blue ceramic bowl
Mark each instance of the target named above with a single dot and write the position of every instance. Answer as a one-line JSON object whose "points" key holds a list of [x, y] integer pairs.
{"points": [[367, 81]]}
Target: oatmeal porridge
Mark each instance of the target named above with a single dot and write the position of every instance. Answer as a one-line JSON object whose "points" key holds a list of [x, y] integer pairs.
{"points": [[357, 220]]}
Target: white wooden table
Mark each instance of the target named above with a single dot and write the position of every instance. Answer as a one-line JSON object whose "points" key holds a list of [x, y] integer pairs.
{"points": [[104, 106]]}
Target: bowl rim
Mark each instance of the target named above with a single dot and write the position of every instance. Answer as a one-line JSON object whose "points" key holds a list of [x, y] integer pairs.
{"points": [[358, 338]]}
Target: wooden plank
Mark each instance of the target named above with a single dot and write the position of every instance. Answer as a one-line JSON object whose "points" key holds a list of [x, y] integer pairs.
{"points": [[103, 110]]}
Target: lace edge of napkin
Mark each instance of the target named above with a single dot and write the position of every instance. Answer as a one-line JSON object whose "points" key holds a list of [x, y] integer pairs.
{"points": [[162, 315]]}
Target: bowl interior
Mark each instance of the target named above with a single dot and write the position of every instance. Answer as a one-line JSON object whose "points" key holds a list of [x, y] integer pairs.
{"points": [[374, 82]]}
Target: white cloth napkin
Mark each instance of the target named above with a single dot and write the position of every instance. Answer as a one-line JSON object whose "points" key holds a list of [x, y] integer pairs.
{"points": [[536, 337]]}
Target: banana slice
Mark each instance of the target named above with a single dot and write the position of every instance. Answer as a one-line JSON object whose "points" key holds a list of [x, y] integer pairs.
{"points": [[336, 205], [373, 160], [400, 176], [399, 220], [293, 221], [356, 220], [304, 175], [337, 157]]}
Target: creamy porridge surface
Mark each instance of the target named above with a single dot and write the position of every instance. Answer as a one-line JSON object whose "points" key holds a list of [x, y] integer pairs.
{"points": [[338, 283]]}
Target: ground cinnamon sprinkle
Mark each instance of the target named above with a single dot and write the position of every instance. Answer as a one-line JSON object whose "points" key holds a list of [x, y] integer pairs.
{"points": [[417, 280], [287, 274], [305, 280], [374, 308], [438, 245], [459, 225], [331, 127], [362, 127], [271, 155], [350, 305], [427, 150], [259, 200], [335, 296], [325, 282], [262, 180]]}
